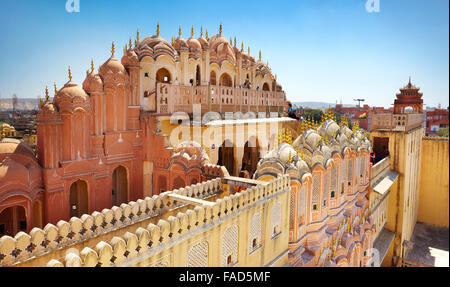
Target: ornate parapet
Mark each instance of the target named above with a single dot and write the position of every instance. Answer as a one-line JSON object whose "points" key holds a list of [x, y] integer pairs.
{"points": [[59, 245], [39, 242]]}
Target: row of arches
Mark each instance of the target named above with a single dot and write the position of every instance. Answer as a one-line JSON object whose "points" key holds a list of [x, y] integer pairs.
{"points": [[250, 158], [163, 76]]}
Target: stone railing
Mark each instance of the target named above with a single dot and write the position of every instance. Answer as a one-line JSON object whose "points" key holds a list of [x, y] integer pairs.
{"points": [[379, 169], [176, 98], [39, 241], [132, 248]]}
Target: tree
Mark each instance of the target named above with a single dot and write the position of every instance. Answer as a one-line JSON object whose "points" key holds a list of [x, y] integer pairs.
{"points": [[443, 132], [315, 115]]}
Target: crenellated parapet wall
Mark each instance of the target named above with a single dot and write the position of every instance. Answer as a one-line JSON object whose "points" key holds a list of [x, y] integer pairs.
{"points": [[142, 233], [89, 227]]}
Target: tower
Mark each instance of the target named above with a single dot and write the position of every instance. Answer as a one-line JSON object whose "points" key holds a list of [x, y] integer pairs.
{"points": [[397, 140]]}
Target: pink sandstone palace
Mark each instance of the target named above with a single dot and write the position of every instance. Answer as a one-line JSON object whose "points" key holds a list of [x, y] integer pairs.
{"points": [[103, 149]]}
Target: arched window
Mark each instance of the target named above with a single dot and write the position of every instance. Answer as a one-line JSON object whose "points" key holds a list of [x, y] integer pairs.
{"points": [[266, 87], [333, 186], [212, 78], [13, 220], [301, 206], [350, 171], [197, 76], [315, 192], [119, 186], [325, 188], [163, 76], [255, 232], [230, 246], [225, 80], [79, 198], [198, 255]]}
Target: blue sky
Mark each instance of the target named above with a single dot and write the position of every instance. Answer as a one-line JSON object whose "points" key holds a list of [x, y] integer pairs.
{"points": [[321, 50]]}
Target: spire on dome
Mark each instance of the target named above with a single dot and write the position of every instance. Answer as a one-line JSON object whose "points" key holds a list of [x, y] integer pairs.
{"points": [[248, 50], [235, 41], [56, 90], [192, 32], [112, 49], [207, 38], [201, 31], [137, 36], [242, 46], [157, 30], [129, 43], [179, 31], [220, 29], [92, 65], [260, 55], [70, 75], [46, 93]]}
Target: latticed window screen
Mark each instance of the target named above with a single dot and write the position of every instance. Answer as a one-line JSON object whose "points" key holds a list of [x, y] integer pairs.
{"points": [[356, 171], [292, 211], [343, 171], [333, 179], [367, 168], [315, 189], [350, 171], [301, 205], [255, 232], [325, 187], [230, 245], [276, 218], [361, 168], [198, 255]]}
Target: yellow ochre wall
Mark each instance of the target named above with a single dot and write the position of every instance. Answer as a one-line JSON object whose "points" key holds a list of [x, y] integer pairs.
{"points": [[434, 189]]}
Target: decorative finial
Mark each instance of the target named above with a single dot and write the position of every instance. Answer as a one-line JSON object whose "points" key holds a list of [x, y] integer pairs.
{"points": [[112, 49], [129, 43], [56, 90], [206, 35], [179, 31], [201, 31], [409, 82], [242, 46], [87, 72], [220, 29], [137, 36], [260, 55], [248, 50], [231, 41], [157, 30], [46, 93], [192, 32], [235, 41], [92, 65], [70, 75]]}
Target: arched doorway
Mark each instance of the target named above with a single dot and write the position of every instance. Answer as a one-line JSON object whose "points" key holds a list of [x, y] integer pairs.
{"points": [[178, 183], [197, 76], [212, 78], [266, 87], [225, 80], [226, 156], [13, 220], [79, 199], [119, 186], [163, 76], [251, 156], [37, 214], [193, 181], [162, 184]]}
